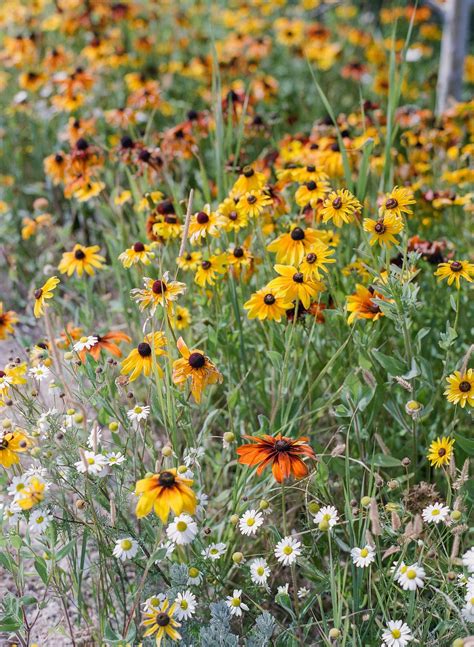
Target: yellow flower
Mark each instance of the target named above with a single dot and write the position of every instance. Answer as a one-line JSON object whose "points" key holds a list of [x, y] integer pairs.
{"points": [[209, 269], [316, 259], [140, 359], [12, 444], [8, 319], [362, 306], [292, 285], [397, 202], [455, 271], [43, 293], [137, 253], [81, 259], [181, 318], [267, 304], [311, 193], [194, 365], [291, 247], [158, 292], [253, 204], [161, 622], [88, 190], [249, 180], [203, 223], [32, 494], [230, 217], [189, 261], [163, 492], [440, 451], [340, 207], [460, 388], [122, 198], [383, 230]]}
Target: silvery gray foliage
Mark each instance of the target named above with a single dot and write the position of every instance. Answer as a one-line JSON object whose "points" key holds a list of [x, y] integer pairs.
{"points": [[179, 576], [218, 633], [262, 632]]}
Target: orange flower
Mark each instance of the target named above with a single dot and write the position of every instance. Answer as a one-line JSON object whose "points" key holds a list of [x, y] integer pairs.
{"points": [[105, 342], [281, 452]]}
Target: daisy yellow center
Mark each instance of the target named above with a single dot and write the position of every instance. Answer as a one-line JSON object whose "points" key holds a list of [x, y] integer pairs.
{"points": [[91, 461], [183, 604], [214, 551], [411, 574], [327, 517], [181, 526], [251, 521], [396, 633], [138, 410], [236, 602], [20, 487], [193, 572], [260, 570], [125, 544], [40, 520], [364, 552], [287, 550], [435, 512], [83, 340], [403, 569], [471, 601]]}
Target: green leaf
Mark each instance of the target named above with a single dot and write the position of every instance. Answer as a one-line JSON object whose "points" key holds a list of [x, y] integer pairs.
{"points": [[26, 600], [390, 364], [283, 599], [41, 569], [383, 460], [10, 623], [158, 555], [465, 443]]}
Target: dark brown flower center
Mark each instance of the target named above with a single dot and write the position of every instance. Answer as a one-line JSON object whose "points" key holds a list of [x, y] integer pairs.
{"points": [[311, 258], [282, 445], [441, 452], [139, 247], [455, 266], [298, 277], [251, 199], [297, 233], [337, 203], [202, 218], [311, 185], [144, 349], [248, 171], [79, 255], [196, 360], [162, 619], [391, 203], [465, 386], [238, 252], [233, 215], [159, 287], [166, 479], [269, 299], [311, 168], [38, 293], [374, 308], [171, 219], [379, 227], [206, 265]]}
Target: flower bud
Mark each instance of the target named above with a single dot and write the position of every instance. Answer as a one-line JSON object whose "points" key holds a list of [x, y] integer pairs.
{"points": [[114, 425], [459, 642], [167, 451], [6, 423], [365, 501], [237, 558], [313, 507], [68, 356], [234, 519], [78, 418], [334, 633], [263, 505], [70, 412], [229, 437], [35, 452], [456, 515], [324, 525]]}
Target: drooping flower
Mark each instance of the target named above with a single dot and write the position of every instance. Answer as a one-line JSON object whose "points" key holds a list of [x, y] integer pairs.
{"points": [[43, 293], [8, 318], [283, 454], [362, 306], [197, 367], [440, 451], [460, 389], [81, 259], [141, 359], [163, 492]]}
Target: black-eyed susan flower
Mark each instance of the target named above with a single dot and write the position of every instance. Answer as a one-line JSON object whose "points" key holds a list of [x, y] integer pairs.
{"points": [[460, 389], [309, 173], [140, 359], [361, 305], [55, 167], [454, 271], [249, 180], [202, 224], [163, 492], [340, 207], [137, 253], [197, 367], [318, 256], [253, 203], [181, 318], [440, 451], [12, 444], [312, 193], [160, 622], [8, 319], [189, 261], [292, 285], [292, 247], [44, 293], [397, 202], [231, 218], [383, 231], [167, 227], [267, 304], [209, 269], [81, 259], [87, 190], [157, 292], [239, 257]]}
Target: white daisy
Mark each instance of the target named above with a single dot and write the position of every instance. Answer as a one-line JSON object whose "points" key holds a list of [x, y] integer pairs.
{"points": [[363, 557], [327, 515], [92, 463], [40, 372], [182, 530], [467, 611], [10, 513], [192, 456], [468, 560], [235, 604], [125, 548], [436, 513], [411, 577], [202, 501], [17, 485], [85, 343], [138, 413], [214, 551], [470, 586], [44, 421], [259, 571], [302, 592], [115, 458], [283, 590], [185, 605], [287, 550], [250, 522], [154, 602], [397, 634], [194, 576], [39, 521]]}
